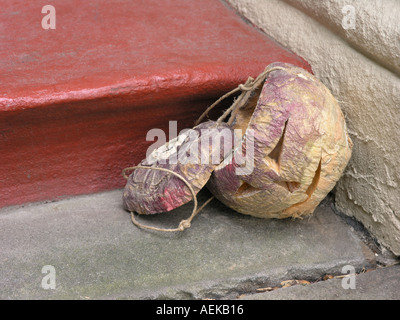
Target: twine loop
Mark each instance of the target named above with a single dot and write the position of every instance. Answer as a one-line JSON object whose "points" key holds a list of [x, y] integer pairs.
{"points": [[184, 224], [246, 89]]}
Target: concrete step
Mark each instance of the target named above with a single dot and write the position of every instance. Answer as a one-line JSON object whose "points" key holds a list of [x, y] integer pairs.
{"points": [[379, 284], [94, 251], [77, 101]]}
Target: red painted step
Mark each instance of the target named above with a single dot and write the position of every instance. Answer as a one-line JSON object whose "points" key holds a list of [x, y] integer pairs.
{"points": [[76, 102]]}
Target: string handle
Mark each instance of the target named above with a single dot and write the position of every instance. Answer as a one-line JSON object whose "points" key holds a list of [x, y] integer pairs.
{"points": [[246, 90]]}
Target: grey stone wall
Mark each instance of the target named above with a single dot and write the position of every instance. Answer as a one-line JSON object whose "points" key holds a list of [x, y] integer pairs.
{"points": [[353, 46]]}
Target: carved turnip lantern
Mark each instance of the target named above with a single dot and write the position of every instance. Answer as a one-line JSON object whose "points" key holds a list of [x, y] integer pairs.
{"points": [[301, 147]]}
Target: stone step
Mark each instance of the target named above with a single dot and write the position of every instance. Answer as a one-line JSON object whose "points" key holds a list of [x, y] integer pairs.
{"points": [[379, 284], [96, 252]]}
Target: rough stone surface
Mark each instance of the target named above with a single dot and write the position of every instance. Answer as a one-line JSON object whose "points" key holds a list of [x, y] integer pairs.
{"points": [[375, 25], [360, 66], [98, 253], [380, 284]]}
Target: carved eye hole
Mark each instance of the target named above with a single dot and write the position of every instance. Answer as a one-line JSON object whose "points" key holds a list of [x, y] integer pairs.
{"points": [[275, 154], [289, 185], [314, 183], [246, 189]]}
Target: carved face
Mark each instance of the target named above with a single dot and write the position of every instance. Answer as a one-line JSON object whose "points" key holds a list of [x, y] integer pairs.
{"points": [[301, 148]]}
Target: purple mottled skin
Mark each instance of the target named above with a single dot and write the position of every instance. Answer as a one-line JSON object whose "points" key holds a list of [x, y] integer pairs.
{"points": [[152, 191], [301, 148]]}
